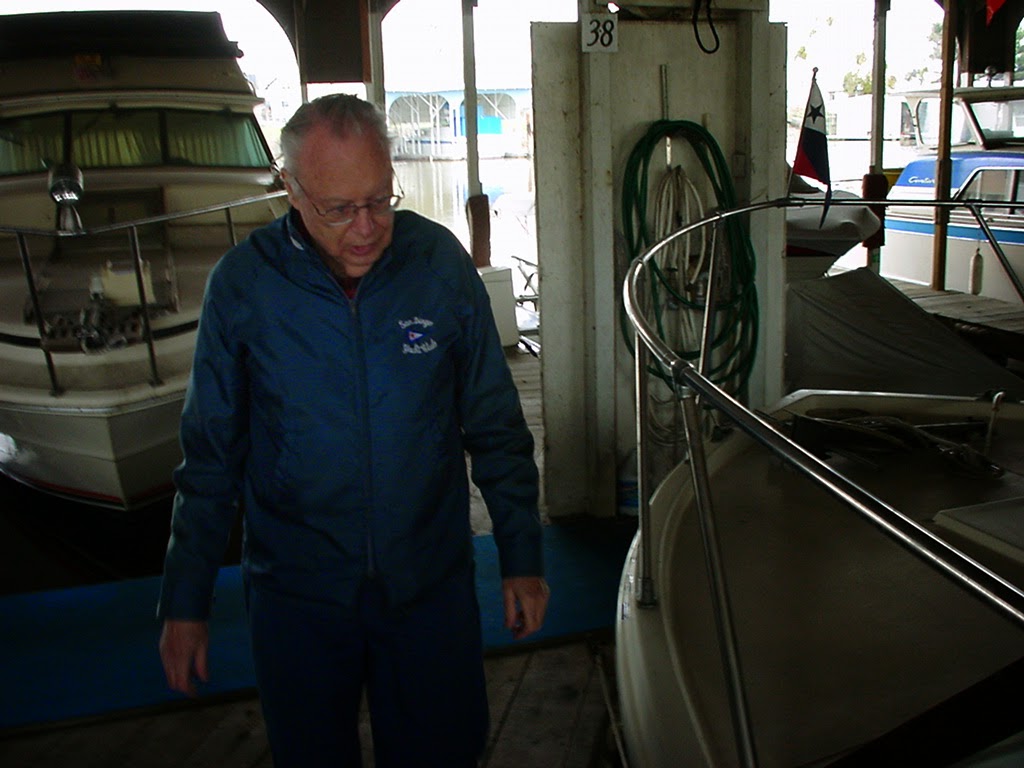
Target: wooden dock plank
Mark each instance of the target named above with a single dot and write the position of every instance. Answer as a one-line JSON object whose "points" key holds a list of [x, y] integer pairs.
{"points": [[546, 709], [981, 310], [995, 327], [163, 732], [238, 740], [79, 747], [504, 677], [553, 687], [589, 746]]}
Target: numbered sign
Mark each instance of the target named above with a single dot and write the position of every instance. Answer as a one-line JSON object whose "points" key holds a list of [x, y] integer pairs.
{"points": [[599, 32]]}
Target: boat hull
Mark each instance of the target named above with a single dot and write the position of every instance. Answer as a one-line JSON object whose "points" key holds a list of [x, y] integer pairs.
{"points": [[971, 264], [119, 456], [842, 633]]}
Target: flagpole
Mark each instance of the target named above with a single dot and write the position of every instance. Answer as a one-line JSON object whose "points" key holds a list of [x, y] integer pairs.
{"points": [[811, 158]]}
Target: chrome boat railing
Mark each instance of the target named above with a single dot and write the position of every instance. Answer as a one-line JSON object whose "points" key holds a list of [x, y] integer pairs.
{"points": [[690, 383], [132, 229]]}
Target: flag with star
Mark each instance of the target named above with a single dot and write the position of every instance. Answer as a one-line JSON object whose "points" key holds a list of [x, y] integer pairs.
{"points": [[811, 158]]}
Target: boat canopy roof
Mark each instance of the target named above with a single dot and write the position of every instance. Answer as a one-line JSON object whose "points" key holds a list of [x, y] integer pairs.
{"points": [[88, 59], [176, 34]]}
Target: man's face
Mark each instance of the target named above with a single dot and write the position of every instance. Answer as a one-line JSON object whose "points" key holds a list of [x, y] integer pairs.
{"points": [[332, 172]]}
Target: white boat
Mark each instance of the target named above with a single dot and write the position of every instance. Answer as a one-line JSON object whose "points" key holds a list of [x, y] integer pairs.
{"points": [[816, 239], [835, 582], [127, 140], [985, 240]]}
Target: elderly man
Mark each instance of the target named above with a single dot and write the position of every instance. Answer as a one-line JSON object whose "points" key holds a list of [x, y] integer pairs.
{"points": [[346, 360]]}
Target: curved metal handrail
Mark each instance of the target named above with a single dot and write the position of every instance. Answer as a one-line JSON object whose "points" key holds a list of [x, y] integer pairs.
{"points": [[691, 383], [990, 587], [162, 218]]}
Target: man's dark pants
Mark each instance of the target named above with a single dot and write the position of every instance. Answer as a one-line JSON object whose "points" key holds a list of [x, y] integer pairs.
{"points": [[421, 666]]}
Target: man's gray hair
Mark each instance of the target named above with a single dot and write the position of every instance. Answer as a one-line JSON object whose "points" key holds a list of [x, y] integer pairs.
{"points": [[345, 114]]}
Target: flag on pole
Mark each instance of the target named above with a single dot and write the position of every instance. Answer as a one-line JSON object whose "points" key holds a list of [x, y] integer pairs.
{"points": [[991, 6], [812, 150]]}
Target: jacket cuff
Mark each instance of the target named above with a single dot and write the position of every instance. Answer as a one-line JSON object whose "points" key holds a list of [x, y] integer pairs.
{"points": [[522, 555]]}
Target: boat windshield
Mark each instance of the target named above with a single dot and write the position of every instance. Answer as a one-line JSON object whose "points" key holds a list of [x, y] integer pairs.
{"points": [[928, 111], [131, 138], [1000, 121]]}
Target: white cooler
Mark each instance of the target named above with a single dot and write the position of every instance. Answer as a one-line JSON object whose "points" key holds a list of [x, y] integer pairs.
{"points": [[498, 281]]}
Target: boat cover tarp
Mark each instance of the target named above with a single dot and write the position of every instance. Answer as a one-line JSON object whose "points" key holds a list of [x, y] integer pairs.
{"points": [[855, 331]]}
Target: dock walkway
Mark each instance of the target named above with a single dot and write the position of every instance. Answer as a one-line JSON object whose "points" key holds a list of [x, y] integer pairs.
{"points": [[548, 709], [994, 326], [550, 703]]}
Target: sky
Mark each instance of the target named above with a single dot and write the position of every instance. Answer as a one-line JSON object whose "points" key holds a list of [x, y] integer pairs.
{"points": [[425, 30], [834, 33]]}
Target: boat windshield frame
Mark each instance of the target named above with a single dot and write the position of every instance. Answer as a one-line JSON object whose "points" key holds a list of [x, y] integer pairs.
{"points": [[991, 123], [999, 121]]}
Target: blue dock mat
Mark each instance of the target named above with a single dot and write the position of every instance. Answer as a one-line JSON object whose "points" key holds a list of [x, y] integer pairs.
{"points": [[90, 651]]}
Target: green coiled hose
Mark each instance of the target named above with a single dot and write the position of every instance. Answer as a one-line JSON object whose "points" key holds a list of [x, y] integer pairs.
{"points": [[736, 315]]}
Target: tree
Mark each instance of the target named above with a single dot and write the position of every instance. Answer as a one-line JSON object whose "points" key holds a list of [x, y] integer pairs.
{"points": [[918, 75], [1018, 59], [935, 38], [856, 84]]}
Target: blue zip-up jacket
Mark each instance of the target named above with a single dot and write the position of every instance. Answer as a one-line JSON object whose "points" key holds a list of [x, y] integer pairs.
{"points": [[340, 426]]}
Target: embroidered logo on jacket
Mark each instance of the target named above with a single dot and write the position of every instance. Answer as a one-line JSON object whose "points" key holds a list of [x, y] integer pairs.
{"points": [[418, 340]]}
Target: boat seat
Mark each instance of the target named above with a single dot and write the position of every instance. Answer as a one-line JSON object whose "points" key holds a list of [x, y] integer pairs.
{"points": [[996, 526]]}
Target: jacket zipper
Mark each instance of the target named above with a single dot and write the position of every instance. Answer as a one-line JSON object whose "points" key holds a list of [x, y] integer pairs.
{"points": [[364, 394]]}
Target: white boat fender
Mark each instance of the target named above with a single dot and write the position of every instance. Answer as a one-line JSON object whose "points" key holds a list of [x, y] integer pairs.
{"points": [[977, 272]]}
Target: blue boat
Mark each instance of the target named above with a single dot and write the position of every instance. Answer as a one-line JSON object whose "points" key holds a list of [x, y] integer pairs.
{"points": [[985, 237]]}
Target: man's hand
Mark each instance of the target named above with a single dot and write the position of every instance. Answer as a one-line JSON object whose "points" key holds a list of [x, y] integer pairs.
{"points": [[526, 600], [183, 647]]}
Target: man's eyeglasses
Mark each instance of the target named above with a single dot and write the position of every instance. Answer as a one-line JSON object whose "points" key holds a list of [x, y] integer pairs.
{"points": [[340, 215]]}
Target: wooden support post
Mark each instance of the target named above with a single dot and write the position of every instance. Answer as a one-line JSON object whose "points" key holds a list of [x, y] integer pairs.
{"points": [[478, 211]]}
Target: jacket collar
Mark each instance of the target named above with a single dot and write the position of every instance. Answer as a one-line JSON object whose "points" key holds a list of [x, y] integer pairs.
{"points": [[304, 264]]}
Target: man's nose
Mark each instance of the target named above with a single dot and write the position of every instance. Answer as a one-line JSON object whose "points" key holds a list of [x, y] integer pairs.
{"points": [[364, 221]]}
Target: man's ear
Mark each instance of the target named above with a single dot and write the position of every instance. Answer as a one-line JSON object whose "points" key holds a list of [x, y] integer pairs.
{"points": [[289, 187]]}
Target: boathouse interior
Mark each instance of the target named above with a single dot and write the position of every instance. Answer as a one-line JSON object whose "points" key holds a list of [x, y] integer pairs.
{"points": [[708, 99]]}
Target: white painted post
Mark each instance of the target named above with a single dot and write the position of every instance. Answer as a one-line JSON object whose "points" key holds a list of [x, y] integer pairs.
{"points": [[603, 288]]}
